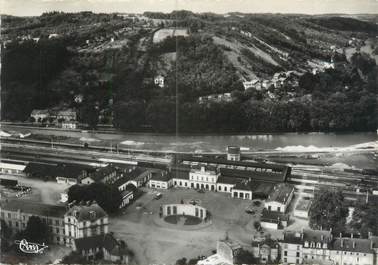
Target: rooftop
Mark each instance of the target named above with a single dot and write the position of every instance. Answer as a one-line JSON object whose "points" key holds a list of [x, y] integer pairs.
{"points": [[251, 174], [303, 205], [208, 160], [273, 217], [281, 193], [34, 208], [84, 212], [295, 237], [107, 241], [102, 172], [352, 245], [160, 175], [56, 170]]}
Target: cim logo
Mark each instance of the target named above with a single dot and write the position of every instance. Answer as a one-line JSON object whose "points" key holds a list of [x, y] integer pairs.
{"points": [[30, 248]]}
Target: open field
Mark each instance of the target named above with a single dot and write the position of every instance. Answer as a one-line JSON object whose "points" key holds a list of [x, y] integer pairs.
{"points": [[161, 34]]}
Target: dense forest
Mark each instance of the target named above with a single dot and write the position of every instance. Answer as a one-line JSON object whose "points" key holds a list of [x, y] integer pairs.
{"points": [[118, 83]]}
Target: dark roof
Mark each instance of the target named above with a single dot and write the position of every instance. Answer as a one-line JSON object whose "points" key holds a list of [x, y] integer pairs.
{"points": [[251, 174], [180, 172], [322, 236], [243, 185], [102, 172], [106, 241], [281, 193], [273, 217], [270, 242], [228, 180], [82, 212], [316, 236], [34, 208], [56, 170], [126, 192], [208, 160], [352, 245], [160, 175], [235, 150], [137, 172], [121, 181]]}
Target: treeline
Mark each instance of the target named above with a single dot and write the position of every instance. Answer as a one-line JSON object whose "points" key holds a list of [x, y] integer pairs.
{"points": [[27, 69]]}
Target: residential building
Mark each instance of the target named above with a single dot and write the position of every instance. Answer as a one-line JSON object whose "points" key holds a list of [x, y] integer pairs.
{"points": [[274, 220], [85, 220], [105, 246], [321, 247], [66, 115], [225, 97], [279, 200], [267, 251], [356, 251], [40, 115], [159, 80], [71, 125], [227, 252], [16, 214]]}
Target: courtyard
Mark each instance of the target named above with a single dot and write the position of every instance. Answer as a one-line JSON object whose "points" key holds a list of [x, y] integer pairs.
{"points": [[156, 242]]}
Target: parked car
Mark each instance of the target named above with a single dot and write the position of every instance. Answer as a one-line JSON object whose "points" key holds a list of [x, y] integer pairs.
{"points": [[201, 191], [158, 196]]}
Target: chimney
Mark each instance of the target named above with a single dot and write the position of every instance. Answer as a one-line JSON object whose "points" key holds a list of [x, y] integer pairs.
{"points": [[351, 235], [341, 243], [354, 244], [371, 244], [321, 237], [369, 234]]}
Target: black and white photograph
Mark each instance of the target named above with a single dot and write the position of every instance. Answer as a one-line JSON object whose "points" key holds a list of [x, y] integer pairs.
{"points": [[189, 132]]}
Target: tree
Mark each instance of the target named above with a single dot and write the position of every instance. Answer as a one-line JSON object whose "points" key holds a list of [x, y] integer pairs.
{"points": [[245, 257], [74, 258], [328, 210], [365, 218], [36, 231], [5, 235], [108, 197]]}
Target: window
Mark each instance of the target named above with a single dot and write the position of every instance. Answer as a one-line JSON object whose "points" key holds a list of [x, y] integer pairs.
{"points": [[298, 247], [279, 209], [285, 253], [16, 224], [57, 230], [297, 254], [2, 215], [297, 261], [285, 259], [56, 222], [225, 188], [186, 184], [9, 215]]}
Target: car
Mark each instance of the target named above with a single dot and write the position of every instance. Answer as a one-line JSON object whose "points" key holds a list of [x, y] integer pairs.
{"points": [[158, 196], [201, 191], [249, 211]]}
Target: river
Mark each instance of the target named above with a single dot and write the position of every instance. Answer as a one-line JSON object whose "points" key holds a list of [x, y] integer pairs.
{"points": [[210, 143]]}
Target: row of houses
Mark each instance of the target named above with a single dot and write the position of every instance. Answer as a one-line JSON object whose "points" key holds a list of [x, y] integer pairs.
{"points": [[280, 79], [303, 247], [319, 247], [66, 117], [83, 227]]}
